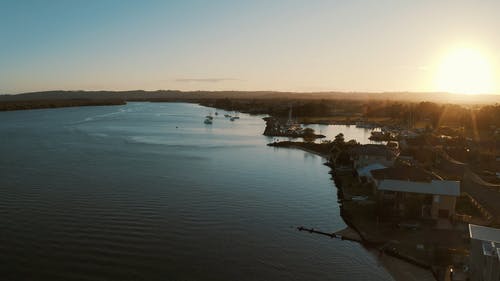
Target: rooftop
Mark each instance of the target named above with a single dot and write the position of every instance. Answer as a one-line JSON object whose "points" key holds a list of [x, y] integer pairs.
{"points": [[484, 233], [434, 187], [489, 238], [365, 171], [405, 173], [374, 150]]}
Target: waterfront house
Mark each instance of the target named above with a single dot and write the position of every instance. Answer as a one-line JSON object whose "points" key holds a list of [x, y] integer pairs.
{"points": [[414, 192], [484, 253], [368, 154]]}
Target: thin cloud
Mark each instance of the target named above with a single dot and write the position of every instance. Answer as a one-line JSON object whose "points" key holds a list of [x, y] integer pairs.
{"points": [[205, 80], [414, 68], [424, 67]]}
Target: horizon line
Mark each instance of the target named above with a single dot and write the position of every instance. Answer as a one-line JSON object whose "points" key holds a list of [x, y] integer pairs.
{"points": [[262, 91]]}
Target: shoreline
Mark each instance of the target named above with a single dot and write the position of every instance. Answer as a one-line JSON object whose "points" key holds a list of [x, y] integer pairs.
{"points": [[63, 103], [401, 270], [412, 267], [399, 266], [305, 150], [391, 263]]}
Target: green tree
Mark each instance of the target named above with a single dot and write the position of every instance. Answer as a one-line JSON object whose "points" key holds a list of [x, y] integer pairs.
{"points": [[339, 139]]}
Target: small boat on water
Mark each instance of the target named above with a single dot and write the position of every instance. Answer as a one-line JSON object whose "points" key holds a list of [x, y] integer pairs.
{"points": [[232, 118], [209, 117], [208, 121], [227, 115]]}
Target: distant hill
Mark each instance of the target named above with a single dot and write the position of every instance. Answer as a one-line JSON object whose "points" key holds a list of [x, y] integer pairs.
{"points": [[173, 95]]}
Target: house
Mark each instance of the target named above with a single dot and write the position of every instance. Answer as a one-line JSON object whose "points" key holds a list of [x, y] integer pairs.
{"points": [[368, 154], [414, 192], [484, 253]]}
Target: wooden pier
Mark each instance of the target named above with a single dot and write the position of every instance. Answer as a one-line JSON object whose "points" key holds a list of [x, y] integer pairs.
{"points": [[346, 234]]}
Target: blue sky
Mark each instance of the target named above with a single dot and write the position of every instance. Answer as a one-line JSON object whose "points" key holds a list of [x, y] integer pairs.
{"points": [[239, 45]]}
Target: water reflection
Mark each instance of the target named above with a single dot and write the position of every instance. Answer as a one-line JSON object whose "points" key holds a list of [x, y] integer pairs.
{"points": [[350, 132], [118, 193]]}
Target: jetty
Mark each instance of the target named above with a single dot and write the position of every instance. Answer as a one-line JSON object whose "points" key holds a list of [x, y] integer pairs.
{"points": [[345, 234]]}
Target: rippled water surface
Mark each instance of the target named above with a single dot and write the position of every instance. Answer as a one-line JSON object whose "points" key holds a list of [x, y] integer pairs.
{"points": [[146, 191]]}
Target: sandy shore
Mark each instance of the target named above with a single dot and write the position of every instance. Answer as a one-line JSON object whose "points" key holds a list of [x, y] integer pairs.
{"points": [[403, 271], [397, 268]]}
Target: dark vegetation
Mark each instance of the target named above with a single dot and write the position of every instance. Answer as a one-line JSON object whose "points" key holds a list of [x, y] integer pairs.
{"points": [[325, 148], [410, 114], [400, 109], [320, 148], [36, 104]]}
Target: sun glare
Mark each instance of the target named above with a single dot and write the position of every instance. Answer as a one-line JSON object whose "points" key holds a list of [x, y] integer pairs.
{"points": [[465, 71]]}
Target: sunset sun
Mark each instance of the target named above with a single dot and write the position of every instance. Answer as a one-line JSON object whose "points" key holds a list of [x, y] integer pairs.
{"points": [[465, 71]]}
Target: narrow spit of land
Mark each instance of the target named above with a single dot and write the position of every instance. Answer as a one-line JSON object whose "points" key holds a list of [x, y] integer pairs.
{"points": [[321, 149], [39, 104]]}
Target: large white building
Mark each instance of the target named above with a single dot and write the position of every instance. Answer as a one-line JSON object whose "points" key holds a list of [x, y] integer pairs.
{"points": [[484, 253], [404, 187]]}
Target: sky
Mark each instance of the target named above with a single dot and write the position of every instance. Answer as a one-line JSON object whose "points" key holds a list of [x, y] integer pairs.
{"points": [[277, 45]]}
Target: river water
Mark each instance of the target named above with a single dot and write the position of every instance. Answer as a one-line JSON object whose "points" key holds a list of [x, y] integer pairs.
{"points": [[146, 191]]}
